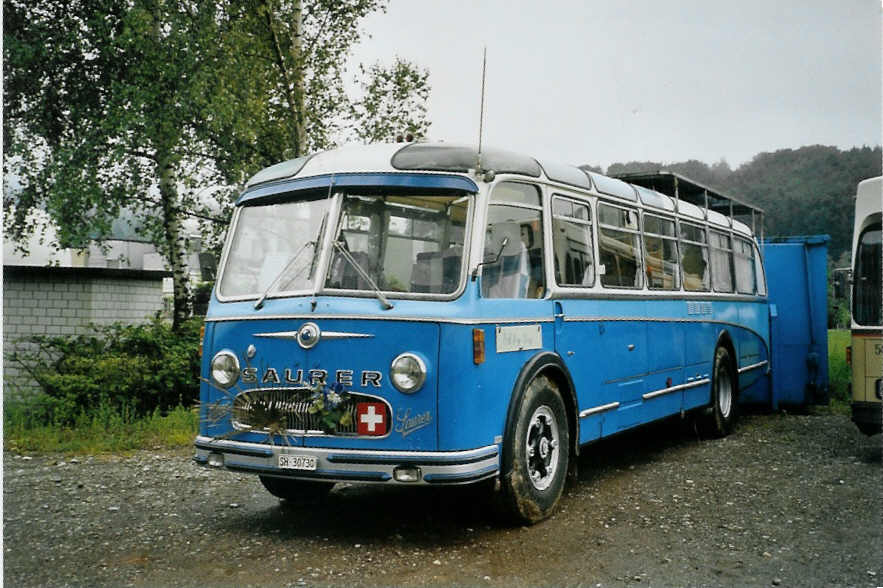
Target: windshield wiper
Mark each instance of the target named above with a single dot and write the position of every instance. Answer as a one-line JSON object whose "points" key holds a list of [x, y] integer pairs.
{"points": [[341, 248], [260, 302]]}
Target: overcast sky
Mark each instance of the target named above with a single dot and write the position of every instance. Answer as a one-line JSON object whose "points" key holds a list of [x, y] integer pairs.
{"points": [[600, 81]]}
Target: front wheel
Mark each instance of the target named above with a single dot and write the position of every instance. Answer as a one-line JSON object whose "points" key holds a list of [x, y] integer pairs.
{"points": [[537, 452], [296, 491], [719, 418]]}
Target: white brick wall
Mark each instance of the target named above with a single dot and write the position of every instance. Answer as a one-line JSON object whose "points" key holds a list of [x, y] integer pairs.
{"points": [[64, 301]]}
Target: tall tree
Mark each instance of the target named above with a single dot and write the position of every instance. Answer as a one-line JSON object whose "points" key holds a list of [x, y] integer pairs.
{"points": [[393, 102], [144, 104]]}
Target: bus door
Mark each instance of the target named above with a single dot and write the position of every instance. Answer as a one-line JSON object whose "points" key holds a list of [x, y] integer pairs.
{"points": [[513, 287], [602, 340]]}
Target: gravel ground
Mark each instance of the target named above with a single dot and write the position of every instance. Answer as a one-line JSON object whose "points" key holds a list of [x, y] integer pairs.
{"points": [[789, 500]]}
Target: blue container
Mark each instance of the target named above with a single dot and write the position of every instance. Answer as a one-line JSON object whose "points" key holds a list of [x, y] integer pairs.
{"points": [[796, 269]]}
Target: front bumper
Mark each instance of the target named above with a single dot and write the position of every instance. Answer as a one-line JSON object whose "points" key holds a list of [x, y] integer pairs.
{"points": [[867, 416], [349, 465]]}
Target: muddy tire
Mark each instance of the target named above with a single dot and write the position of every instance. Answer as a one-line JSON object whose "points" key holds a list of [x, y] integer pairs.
{"points": [[296, 491], [719, 417], [538, 454]]}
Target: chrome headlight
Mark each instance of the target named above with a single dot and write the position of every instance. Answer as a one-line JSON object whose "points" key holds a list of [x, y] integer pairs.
{"points": [[407, 372], [225, 368]]}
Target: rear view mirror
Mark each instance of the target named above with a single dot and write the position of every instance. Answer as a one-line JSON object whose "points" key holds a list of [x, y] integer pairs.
{"points": [[842, 278]]}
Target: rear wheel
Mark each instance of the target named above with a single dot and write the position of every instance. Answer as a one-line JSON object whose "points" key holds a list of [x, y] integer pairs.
{"points": [[296, 491], [719, 418], [538, 454]]}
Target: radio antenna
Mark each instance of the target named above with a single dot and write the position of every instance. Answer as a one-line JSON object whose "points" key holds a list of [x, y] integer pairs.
{"points": [[481, 110]]}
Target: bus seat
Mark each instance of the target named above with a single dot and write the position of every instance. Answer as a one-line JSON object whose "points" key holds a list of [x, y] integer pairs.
{"points": [[426, 273], [437, 272], [510, 276], [345, 276]]}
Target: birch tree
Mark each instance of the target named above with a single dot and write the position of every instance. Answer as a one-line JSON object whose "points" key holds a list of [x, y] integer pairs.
{"points": [[144, 104]]}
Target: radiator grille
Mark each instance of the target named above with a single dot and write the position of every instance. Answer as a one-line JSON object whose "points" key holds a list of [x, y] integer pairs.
{"points": [[286, 410]]}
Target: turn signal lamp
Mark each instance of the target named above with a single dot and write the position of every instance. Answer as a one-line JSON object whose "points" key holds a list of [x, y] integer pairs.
{"points": [[201, 337], [849, 355], [478, 346]]}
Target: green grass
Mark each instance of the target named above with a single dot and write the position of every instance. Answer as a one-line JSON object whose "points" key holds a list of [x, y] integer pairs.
{"points": [[838, 371], [105, 430]]}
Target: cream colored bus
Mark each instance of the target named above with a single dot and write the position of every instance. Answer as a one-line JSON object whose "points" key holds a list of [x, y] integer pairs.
{"points": [[866, 351]]}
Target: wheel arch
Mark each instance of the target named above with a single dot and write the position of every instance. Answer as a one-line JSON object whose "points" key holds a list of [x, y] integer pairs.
{"points": [[724, 339], [552, 366]]}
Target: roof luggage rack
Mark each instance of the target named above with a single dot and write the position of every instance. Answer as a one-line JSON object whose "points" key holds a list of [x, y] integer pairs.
{"points": [[684, 189]]}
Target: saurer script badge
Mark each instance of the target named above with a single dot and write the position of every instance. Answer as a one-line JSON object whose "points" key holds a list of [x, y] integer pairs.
{"points": [[406, 423]]}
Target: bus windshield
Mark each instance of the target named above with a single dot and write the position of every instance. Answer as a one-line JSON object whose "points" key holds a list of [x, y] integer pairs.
{"points": [[274, 245], [411, 243], [405, 243], [866, 290]]}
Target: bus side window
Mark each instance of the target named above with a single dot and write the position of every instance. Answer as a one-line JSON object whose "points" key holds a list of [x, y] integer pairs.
{"points": [[618, 247], [721, 262], [661, 254], [514, 217], [758, 271], [743, 257], [694, 257], [572, 241]]}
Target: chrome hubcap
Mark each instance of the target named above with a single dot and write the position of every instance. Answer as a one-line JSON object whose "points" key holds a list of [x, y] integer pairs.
{"points": [[724, 391], [542, 447]]}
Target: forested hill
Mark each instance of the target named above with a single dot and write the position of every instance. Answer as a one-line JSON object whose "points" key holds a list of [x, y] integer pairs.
{"points": [[803, 191]]}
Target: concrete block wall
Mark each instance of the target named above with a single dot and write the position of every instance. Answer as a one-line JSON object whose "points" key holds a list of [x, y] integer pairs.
{"points": [[65, 301]]}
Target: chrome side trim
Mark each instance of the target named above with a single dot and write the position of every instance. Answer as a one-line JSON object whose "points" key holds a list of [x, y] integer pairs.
{"points": [[334, 465], [753, 366], [677, 388], [374, 317], [603, 408]]}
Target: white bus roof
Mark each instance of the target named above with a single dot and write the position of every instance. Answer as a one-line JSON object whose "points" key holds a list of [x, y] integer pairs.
{"points": [[662, 190]]}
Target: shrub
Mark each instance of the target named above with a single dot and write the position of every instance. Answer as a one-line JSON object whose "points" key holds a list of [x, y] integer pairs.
{"points": [[839, 373], [134, 369]]}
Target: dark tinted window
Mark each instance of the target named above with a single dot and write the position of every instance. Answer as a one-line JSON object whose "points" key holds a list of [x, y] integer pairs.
{"points": [[866, 298]]}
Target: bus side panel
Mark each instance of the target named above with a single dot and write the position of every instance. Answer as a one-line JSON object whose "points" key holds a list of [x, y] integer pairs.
{"points": [[473, 400], [604, 345], [700, 338], [666, 357]]}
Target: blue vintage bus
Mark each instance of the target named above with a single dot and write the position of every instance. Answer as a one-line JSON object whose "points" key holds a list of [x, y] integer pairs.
{"points": [[426, 314]]}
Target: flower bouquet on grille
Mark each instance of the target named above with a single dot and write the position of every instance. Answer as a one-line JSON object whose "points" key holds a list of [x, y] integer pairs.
{"points": [[332, 405]]}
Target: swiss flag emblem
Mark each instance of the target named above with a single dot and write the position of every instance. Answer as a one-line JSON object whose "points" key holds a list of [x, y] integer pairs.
{"points": [[371, 418]]}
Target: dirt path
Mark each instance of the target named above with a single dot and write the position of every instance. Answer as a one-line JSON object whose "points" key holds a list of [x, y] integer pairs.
{"points": [[785, 500]]}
